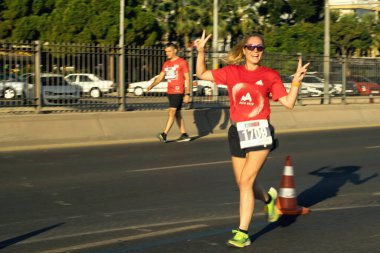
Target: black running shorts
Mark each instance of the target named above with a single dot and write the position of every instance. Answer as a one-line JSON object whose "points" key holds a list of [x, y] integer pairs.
{"points": [[175, 101], [234, 142]]}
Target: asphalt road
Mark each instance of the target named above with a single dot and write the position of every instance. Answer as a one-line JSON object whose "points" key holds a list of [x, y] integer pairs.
{"points": [[181, 197]]}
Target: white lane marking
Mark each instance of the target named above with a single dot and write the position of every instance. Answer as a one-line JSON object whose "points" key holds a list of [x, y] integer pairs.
{"points": [[126, 238], [343, 207], [183, 166], [162, 232], [371, 147], [179, 166], [62, 203], [136, 227]]}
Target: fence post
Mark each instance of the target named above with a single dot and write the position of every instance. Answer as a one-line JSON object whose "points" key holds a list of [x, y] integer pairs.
{"points": [[122, 79], [37, 77], [122, 57], [190, 55], [344, 79], [298, 99]]}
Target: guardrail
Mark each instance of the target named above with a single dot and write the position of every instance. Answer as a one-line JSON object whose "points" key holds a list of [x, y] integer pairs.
{"points": [[50, 77]]}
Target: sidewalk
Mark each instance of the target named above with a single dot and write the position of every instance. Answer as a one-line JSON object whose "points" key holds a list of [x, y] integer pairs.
{"points": [[25, 132]]}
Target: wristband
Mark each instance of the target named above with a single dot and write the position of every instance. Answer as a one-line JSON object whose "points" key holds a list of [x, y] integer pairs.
{"points": [[187, 94], [296, 84]]}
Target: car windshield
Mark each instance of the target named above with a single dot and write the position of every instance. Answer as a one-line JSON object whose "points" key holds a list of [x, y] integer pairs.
{"points": [[311, 79], [53, 81], [360, 79]]}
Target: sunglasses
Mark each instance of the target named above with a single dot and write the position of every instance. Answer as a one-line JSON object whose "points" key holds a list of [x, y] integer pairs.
{"points": [[251, 47]]}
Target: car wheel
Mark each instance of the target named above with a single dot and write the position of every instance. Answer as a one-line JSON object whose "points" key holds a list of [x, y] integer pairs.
{"points": [[206, 91], [95, 93], [138, 91], [9, 93]]}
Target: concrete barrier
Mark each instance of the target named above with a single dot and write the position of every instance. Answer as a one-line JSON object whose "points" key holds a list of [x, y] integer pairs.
{"points": [[22, 132]]}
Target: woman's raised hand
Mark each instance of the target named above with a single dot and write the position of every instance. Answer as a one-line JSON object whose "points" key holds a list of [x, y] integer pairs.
{"points": [[301, 71], [200, 43]]}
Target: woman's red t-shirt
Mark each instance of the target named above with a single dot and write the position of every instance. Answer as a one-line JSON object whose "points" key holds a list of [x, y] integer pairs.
{"points": [[249, 90]]}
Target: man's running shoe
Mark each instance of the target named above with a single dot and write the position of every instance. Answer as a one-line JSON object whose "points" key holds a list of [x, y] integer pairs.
{"points": [[183, 137], [271, 206], [239, 240], [162, 137]]}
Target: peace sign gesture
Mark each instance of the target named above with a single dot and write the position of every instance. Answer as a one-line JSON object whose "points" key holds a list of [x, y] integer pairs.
{"points": [[200, 43], [301, 71]]}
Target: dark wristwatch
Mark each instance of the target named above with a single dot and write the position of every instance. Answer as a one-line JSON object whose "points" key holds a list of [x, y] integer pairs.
{"points": [[187, 94]]}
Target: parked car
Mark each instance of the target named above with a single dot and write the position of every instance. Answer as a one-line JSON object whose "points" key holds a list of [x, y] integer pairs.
{"points": [[206, 88], [315, 86], [140, 88], [336, 80], [365, 85], [376, 79], [55, 90], [11, 86], [91, 84], [287, 81]]}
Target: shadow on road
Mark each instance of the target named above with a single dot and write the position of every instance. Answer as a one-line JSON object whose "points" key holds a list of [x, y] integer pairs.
{"points": [[23, 237], [332, 179], [207, 120]]}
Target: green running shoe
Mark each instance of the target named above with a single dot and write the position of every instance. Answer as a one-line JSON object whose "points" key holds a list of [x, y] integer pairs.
{"points": [[271, 207], [239, 240]]}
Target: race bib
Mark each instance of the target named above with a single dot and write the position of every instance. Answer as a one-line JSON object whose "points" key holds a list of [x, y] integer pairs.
{"points": [[171, 73], [254, 133]]}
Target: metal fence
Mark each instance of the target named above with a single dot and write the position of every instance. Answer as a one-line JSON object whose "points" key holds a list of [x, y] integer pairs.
{"points": [[51, 77]]}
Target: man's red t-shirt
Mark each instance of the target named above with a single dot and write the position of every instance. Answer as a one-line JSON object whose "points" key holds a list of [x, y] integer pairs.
{"points": [[174, 74], [249, 90]]}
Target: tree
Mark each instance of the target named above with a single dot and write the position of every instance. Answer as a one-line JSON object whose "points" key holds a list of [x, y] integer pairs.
{"points": [[141, 26], [298, 38], [349, 37], [27, 28]]}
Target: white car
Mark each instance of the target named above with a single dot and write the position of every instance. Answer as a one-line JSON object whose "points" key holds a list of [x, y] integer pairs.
{"points": [[91, 84], [287, 81], [140, 88], [206, 88], [315, 86], [55, 90]]}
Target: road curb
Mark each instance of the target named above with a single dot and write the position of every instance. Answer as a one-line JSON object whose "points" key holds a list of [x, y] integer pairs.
{"points": [[30, 132]]}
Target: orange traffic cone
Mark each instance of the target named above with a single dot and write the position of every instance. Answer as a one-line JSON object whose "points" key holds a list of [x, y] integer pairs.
{"points": [[287, 200]]}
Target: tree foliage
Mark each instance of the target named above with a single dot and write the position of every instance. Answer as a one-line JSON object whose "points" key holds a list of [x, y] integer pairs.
{"points": [[289, 26]]}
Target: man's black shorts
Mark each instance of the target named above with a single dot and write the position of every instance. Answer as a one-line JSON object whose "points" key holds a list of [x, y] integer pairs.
{"points": [[175, 101], [234, 142]]}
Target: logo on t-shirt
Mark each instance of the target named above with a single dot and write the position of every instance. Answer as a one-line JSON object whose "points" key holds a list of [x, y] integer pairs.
{"points": [[248, 101], [260, 83]]}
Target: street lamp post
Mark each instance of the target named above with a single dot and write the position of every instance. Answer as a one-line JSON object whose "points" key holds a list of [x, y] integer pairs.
{"points": [[122, 58], [326, 55], [215, 34], [215, 45]]}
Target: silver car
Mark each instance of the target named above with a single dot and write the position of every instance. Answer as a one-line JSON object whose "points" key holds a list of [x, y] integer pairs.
{"points": [[55, 90], [11, 86]]}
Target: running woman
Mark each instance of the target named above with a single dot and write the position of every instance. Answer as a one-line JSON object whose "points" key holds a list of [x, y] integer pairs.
{"points": [[250, 136], [176, 71]]}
